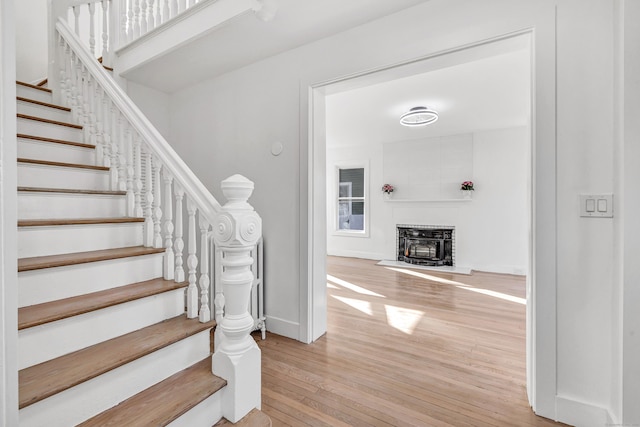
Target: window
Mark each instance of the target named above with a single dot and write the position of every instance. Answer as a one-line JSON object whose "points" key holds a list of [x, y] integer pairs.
{"points": [[351, 200]]}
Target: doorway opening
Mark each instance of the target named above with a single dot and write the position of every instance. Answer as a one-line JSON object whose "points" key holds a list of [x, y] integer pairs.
{"points": [[492, 108]]}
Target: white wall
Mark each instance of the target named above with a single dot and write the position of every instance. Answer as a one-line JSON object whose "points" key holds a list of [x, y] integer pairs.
{"points": [[153, 103], [491, 230], [31, 40], [227, 125]]}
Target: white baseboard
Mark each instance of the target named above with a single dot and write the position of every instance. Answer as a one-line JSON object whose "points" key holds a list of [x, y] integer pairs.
{"points": [[283, 327], [355, 254], [442, 269], [581, 414], [502, 269]]}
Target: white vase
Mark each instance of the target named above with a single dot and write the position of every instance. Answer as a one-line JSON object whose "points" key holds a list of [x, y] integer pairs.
{"points": [[466, 194], [388, 196]]}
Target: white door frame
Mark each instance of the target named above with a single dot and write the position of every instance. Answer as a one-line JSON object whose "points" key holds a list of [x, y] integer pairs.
{"points": [[8, 229], [541, 284]]}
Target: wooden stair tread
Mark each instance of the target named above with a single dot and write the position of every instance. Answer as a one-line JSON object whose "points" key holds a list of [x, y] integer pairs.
{"points": [[44, 89], [62, 164], [56, 141], [44, 104], [164, 402], [40, 314], [53, 122], [255, 418], [71, 191], [48, 378], [50, 261], [77, 221]]}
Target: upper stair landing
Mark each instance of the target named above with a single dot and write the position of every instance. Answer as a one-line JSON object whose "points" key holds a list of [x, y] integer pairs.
{"points": [[182, 29]]}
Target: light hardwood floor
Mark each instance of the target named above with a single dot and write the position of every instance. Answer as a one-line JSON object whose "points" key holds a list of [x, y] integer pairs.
{"points": [[405, 348]]}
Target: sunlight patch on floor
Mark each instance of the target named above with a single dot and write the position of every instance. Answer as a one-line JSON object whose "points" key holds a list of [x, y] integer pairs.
{"points": [[461, 285], [332, 286], [358, 304], [426, 276], [352, 287], [496, 294], [403, 319]]}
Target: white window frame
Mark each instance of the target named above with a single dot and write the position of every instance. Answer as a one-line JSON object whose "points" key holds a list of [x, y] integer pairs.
{"points": [[336, 201]]}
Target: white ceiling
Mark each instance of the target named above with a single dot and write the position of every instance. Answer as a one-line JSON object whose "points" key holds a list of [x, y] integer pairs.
{"points": [[476, 89], [247, 39]]}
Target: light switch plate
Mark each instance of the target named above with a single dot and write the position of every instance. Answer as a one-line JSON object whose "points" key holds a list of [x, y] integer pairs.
{"points": [[596, 205]]}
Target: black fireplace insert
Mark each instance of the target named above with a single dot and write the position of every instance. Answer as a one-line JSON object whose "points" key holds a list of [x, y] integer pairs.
{"points": [[425, 246]]}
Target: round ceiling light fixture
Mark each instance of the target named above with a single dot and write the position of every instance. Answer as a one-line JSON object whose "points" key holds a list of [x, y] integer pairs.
{"points": [[418, 116]]}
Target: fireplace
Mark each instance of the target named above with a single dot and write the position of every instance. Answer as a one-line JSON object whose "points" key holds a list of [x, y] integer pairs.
{"points": [[426, 244]]}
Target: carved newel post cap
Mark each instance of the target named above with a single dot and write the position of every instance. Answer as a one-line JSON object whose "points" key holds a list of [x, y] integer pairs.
{"points": [[237, 189], [237, 224]]}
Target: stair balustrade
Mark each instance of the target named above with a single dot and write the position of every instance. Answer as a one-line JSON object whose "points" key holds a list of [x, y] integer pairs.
{"points": [[158, 186], [105, 26]]}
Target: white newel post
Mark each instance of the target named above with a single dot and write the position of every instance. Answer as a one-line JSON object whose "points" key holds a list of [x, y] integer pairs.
{"points": [[237, 359]]}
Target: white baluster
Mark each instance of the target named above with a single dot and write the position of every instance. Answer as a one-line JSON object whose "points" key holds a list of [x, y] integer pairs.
{"points": [[91, 111], [106, 133], [147, 182], [137, 175], [192, 263], [136, 19], [82, 105], [131, 198], [165, 11], [114, 146], [205, 310], [98, 123], [122, 153], [143, 17], [72, 84], [158, 18], [174, 8], [157, 200], [178, 244], [92, 29], [237, 358], [190, 3], [105, 33], [126, 23], [76, 19], [181, 5], [169, 257], [62, 62], [151, 24]]}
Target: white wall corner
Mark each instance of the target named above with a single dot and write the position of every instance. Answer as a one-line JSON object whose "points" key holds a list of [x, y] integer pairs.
{"points": [[576, 413]]}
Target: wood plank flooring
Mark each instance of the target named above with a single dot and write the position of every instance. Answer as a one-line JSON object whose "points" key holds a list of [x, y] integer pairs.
{"points": [[405, 348]]}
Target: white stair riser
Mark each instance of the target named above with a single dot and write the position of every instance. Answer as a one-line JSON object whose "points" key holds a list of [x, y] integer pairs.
{"points": [[31, 93], [31, 109], [50, 284], [55, 339], [48, 176], [49, 130], [35, 205], [61, 239], [85, 400], [204, 414], [40, 150]]}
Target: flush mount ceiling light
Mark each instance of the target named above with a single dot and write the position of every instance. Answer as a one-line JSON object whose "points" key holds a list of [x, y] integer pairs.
{"points": [[418, 116]]}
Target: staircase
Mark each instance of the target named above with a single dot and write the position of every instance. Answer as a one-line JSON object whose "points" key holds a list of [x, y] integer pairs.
{"points": [[103, 338]]}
